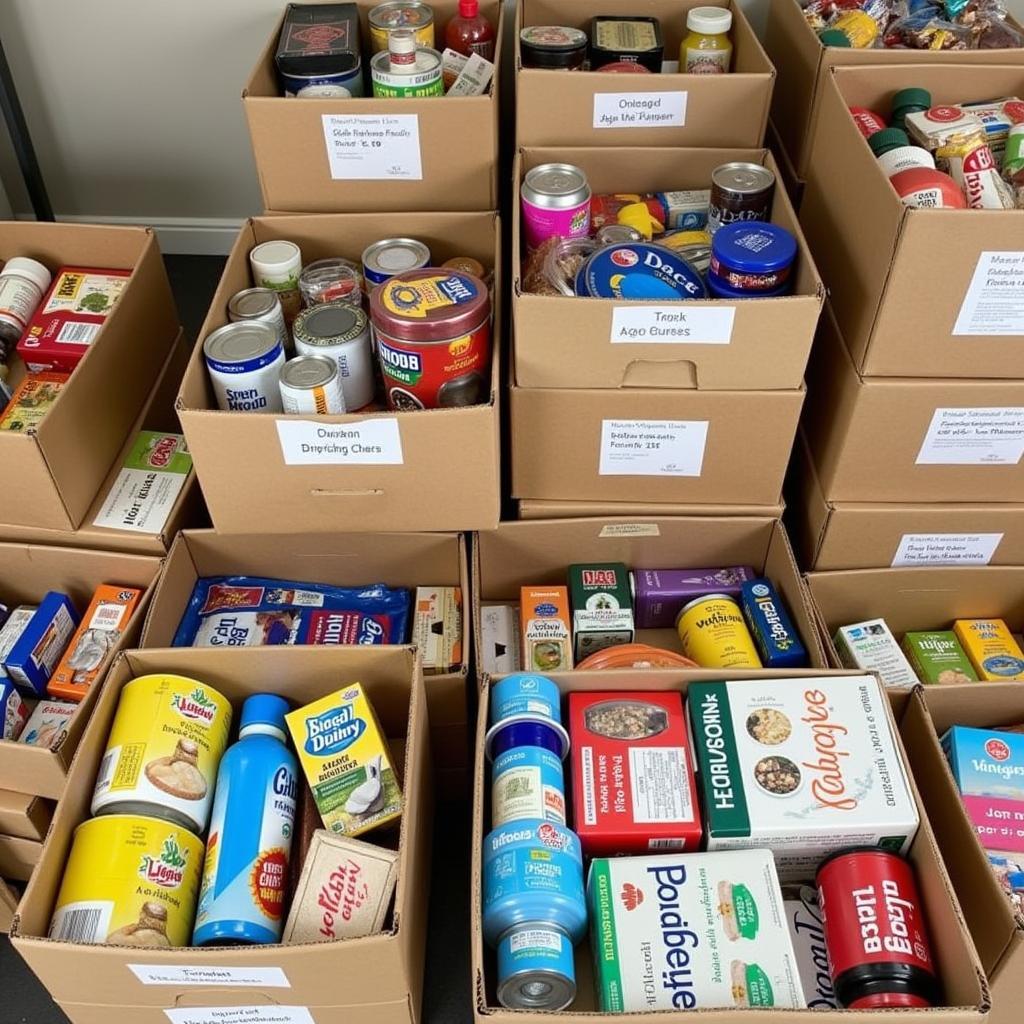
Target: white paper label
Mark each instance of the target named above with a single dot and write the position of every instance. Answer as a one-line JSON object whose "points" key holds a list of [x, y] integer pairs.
{"points": [[630, 530], [994, 303], [373, 147], [140, 501], [362, 443], [253, 977], [671, 325], [652, 447], [240, 1015], [640, 109], [992, 436], [946, 548]]}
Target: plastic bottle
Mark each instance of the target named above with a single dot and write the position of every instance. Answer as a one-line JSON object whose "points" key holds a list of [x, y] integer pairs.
{"points": [[928, 189], [895, 153], [855, 29], [23, 282], [245, 874], [470, 32], [909, 101], [707, 50]]}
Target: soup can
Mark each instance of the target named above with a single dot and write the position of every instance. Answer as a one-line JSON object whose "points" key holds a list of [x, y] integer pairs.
{"points": [[714, 633], [740, 191], [525, 693], [340, 331], [385, 259], [259, 305], [311, 384], [527, 779], [422, 81], [555, 203], [324, 82], [244, 361], [385, 18], [433, 332], [129, 881]]}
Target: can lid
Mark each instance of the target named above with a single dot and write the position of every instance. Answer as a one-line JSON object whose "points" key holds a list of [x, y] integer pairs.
{"points": [[742, 177], [277, 253], [912, 97], [398, 13], [253, 302], [395, 255], [264, 709], [641, 270], [555, 185], [430, 304], [241, 341], [308, 372], [711, 21], [30, 268], [886, 139], [336, 321], [553, 37], [754, 247]]}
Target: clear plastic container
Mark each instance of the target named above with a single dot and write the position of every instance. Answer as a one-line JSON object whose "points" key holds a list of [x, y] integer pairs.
{"points": [[331, 280]]}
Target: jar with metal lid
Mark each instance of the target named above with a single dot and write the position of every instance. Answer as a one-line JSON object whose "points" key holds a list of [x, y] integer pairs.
{"points": [[613, 234], [552, 47], [23, 282], [340, 331], [329, 280], [411, 14], [263, 306], [555, 202], [277, 265]]}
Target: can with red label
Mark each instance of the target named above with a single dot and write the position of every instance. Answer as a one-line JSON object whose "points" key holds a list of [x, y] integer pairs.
{"points": [[433, 331], [875, 933]]}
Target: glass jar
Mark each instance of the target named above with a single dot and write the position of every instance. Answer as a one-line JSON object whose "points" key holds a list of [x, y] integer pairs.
{"points": [[707, 50]]}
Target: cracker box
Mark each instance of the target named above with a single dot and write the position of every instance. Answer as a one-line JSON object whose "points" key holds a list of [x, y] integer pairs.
{"points": [[803, 915], [937, 657], [33, 659], [546, 628], [32, 400], [437, 628], [802, 767], [47, 726], [870, 647], [993, 652], [602, 607]]}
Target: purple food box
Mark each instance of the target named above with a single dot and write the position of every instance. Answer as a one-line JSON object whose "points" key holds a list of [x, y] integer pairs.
{"points": [[659, 594]]}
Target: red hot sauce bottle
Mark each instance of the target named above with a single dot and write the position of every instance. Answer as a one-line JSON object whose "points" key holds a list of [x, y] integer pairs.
{"points": [[470, 32]]}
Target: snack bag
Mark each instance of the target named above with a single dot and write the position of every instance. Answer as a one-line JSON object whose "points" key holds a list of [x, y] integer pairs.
{"points": [[973, 168]]}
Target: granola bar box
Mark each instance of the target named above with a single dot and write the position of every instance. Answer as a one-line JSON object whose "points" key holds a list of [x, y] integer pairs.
{"points": [[802, 767]]}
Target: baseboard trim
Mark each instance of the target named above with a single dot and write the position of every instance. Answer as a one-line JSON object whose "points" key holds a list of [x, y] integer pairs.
{"points": [[178, 236]]}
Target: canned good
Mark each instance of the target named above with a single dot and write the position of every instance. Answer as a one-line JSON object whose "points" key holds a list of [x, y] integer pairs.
{"points": [[433, 333], [244, 361], [527, 780], [277, 265], [421, 81], [740, 191], [311, 384], [129, 881], [754, 258], [331, 280], [340, 331], [714, 633], [385, 18], [385, 259], [526, 693], [168, 736], [259, 305], [640, 270], [535, 968], [616, 234], [555, 47], [466, 265], [555, 203], [323, 92], [324, 82]]}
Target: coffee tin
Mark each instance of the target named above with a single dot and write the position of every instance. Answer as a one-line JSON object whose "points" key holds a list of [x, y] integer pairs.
{"points": [[740, 191], [261, 305], [244, 361], [340, 331], [310, 384], [424, 81], [390, 256], [555, 203], [714, 633], [386, 17]]}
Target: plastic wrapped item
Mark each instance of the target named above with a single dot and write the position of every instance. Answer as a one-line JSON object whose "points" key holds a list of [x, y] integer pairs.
{"points": [[551, 269], [989, 25], [927, 30], [973, 168]]}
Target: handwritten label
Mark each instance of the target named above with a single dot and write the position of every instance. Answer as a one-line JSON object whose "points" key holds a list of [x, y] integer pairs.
{"points": [[157, 974], [670, 325], [946, 548], [362, 443], [630, 530], [994, 303], [652, 447], [987, 436], [240, 1015], [373, 147], [640, 109]]}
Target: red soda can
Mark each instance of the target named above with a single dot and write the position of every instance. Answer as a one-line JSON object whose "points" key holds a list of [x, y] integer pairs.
{"points": [[875, 934]]}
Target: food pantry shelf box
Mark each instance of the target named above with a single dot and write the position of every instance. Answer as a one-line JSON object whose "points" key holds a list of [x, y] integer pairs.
{"points": [[60, 466], [909, 302], [747, 344], [440, 153], [688, 110], [23, 815], [250, 465], [587, 509], [382, 971]]}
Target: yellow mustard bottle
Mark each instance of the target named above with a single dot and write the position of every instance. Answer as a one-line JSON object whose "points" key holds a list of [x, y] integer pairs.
{"points": [[707, 50]]}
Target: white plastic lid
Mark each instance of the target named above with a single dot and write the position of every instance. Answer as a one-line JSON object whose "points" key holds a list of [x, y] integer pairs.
{"points": [[276, 254], [32, 269], [709, 21]]}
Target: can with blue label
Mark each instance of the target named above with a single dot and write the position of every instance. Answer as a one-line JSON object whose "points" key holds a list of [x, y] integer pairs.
{"points": [[324, 82], [535, 968], [527, 779], [244, 360], [752, 258], [777, 641], [525, 693], [245, 874], [640, 270]]}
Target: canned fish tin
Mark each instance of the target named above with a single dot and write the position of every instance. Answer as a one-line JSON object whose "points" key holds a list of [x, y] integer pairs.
{"points": [[259, 305], [389, 257], [424, 81], [129, 881], [311, 384], [434, 339], [244, 361], [385, 18], [168, 736], [340, 331], [525, 693], [527, 779], [535, 968], [555, 203], [714, 633], [740, 191]]}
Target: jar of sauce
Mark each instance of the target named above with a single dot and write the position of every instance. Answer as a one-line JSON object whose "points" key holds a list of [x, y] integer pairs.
{"points": [[707, 50]]}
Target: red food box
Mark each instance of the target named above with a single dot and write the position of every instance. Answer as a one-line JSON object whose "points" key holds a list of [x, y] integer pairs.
{"points": [[633, 784]]}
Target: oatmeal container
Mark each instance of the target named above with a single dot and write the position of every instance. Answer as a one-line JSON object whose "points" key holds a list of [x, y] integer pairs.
{"points": [[555, 202], [244, 361], [390, 256], [340, 331], [311, 384], [260, 305]]}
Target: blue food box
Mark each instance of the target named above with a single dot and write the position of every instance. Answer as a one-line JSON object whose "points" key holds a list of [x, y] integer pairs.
{"points": [[986, 762], [34, 657], [778, 643]]}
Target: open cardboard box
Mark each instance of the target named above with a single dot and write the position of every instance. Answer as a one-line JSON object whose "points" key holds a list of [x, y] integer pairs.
{"points": [[375, 979], [397, 559], [909, 285], [251, 476], [691, 110], [966, 994], [563, 342], [306, 154], [587, 509], [27, 572], [59, 466], [524, 553], [23, 815], [18, 857], [8, 904], [910, 440]]}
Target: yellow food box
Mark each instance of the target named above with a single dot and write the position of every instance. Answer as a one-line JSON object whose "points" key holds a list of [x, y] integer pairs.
{"points": [[993, 652], [346, 761]]}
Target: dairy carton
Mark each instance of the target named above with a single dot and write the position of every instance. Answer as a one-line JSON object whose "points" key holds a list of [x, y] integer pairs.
{"points": [[870, 647]]}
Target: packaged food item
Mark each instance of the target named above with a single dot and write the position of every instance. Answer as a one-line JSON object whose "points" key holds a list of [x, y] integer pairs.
{"points": [[713, 632], [244, 361], [555, 200], [801, 767], [527, 780], [500, 639], [855, 29], [937, 657], [250, 611], [390, 257], [385, 18], [926, 29], [972, 166], [997, 119], [561, 260], [602, 607], [990, 645], [47, 726], [277, 265], [526, 693], [554, 47], [633, 785], [547, 629], [346, 761], [469, 32], [640, 270], [778, 643], [867, 121], [1009, 871], [319, 45], [437, 628], [806, 930], [333, 279], [871, 647], [102, 626], [344, 891], [11, 632], [13, 711], [311, 385], [406, 71], [927, 190], [659, 594], [605, 209], [32, 400], [33, 658], [753, 258], [723, 912], [707, 49], [693, 246], [633, 39], [23, 282], [686, 209], [340, 331], [740, 191], [474, 79]]}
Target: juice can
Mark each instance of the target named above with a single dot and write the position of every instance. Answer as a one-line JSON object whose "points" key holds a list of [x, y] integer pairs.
{"points": [[555, 202], [714, 634]]}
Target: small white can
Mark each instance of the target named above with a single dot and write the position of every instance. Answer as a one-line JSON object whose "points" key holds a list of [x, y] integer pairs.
{"points": [[340, 331], [263, 306], [244, 361], [310, 384], [277, 265]]}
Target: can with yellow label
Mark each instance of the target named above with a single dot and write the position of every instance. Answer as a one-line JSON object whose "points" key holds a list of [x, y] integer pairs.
{"points": [[714, 634], [129, 881], [168, 737]]}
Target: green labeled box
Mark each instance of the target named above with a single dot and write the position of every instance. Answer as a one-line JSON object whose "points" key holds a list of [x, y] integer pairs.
{"points": [[602, 607], [937, 657]]}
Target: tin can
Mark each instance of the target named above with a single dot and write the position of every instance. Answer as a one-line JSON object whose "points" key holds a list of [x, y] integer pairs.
{"points": [[714, 633], [617, 234], [244, 361], [555, 47], [311, 384], [331, 280], [752, 258], [389, 257], [466, 265], [878, 946], [340, 331], [424, 81], [167, 739], [385, 18], [433, 338], [525, 693], [259, 305], [740, 191], [277, 265], [555, 203], [527, 780], [129, 881], [323, 83], [535, 968]]}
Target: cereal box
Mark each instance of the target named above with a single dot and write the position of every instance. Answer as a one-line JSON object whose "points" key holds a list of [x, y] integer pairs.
{"points": [[989, 644], [870, 647], [31, 401], [547, 633], [802, 767], [32, 660], [13, 628], [937, 657], [803, 915]]}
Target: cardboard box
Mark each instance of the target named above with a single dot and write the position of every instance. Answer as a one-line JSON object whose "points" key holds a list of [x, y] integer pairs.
{"points": [[907, 285], [24, 816], [60, 466], [804, 66], [530, 509], [240, 457], [539, 554], [27, 572], [8, 904], [746, 344], [304, 163], [910, 440], [695, 110], [18, 857], [378, 978]]}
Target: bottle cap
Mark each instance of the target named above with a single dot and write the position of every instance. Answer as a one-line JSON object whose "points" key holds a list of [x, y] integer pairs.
{"points": [[888, 138], [402, 49], [834, 37], [264, 709], [914, 97], [32, 269], [709, 21], [469, 8]]}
